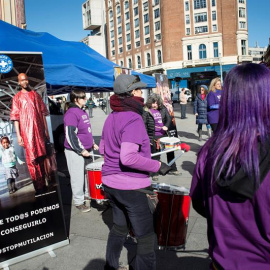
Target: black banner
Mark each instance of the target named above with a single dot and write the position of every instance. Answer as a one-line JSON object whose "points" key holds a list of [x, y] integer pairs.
{"points": [[31, 212]]}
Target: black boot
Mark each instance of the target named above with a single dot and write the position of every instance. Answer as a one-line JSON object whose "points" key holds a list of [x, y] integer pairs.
{"points": [[14, 189], [200, 135], [9, 185]]}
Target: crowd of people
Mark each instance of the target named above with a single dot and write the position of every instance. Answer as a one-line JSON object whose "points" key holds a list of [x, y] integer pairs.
{"points": [[231, 181]]}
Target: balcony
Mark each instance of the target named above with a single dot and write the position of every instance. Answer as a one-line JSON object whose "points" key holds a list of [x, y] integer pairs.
{"points": [[244, 58], [201, 62]]}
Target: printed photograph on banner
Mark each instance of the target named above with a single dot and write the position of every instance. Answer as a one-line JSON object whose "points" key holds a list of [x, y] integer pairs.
{"points": [[166, 95], [29, 190], [121, 70]]}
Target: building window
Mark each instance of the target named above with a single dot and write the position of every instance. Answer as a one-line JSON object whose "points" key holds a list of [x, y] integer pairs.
{"points": [[215, 45], [241, 1], [111, 23], [213, 3], [138, 44], [189, 52], [146, 30], [145, 6], [214, 28], [119, 30], [136, 22], [187, 31], [118, 10], [243, 47], [202, 51], [135, 2], [129, 47], [201, 17], [158, 37], [187, 19], [148, 57], [126, 5], [127, 15], [139, 61], [120, 41], [159, 57], [147, 40], [242, 12], [129, 63], [113, 52], [156, 13], [127, 26], [119, 20], [146, 18], [136, 11], [242, 25], [156, 2], [157, 26], [112, 43], [186, 6], [128, 37], [214, 15], [112, 34], [199, 4], [137, 33], [201, 29], [121, 63], [111, 14], [120, 49]]}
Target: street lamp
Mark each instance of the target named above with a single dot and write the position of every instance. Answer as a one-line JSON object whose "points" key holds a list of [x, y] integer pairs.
{"points": [[220, 66]]}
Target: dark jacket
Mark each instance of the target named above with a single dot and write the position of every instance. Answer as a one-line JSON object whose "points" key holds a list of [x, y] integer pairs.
{"points": [[200, 107], [149, 121]]}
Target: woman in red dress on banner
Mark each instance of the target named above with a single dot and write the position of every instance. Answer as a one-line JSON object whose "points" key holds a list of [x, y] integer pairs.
{"points": [[29, 115]]}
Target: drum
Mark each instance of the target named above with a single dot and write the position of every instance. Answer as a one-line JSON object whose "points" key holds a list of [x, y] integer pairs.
{"points": [[169, 143], [94, 181], [171, 216]]}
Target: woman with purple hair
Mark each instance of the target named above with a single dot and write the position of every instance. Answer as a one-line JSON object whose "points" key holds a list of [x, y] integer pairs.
{"points": [[231, 181]]}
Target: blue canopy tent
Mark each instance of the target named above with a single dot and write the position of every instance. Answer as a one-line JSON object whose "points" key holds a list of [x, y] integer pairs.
{"points": [[66, 63]]}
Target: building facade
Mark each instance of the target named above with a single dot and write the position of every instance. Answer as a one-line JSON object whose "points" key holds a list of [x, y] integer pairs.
{"points": [[93, 13], [257, 53], [189, 40], [13, 12]]}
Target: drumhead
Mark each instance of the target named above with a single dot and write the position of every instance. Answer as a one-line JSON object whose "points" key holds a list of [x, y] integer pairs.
{"points": [[95, 166], [172, 189], [169, 140]]}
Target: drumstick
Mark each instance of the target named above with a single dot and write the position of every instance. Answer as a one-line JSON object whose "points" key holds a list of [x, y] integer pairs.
{"points": [[164, 152]]}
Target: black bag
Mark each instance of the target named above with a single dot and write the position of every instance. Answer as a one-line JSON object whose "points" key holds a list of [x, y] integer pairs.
{"points": [[152, 198]]}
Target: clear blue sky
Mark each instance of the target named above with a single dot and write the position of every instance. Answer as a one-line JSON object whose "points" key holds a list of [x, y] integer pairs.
{"points": [[63, 19]]}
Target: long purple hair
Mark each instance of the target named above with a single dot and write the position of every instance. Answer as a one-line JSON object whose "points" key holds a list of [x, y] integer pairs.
{"points": [[244, 119]]}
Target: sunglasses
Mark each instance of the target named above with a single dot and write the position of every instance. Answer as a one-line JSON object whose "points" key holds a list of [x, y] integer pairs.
{"points": [[83, 97], [136, 80]]}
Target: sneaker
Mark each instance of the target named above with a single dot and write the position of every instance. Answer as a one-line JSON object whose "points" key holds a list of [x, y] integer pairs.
{"points": [[174, 173], [87, 198], [83, 208]]}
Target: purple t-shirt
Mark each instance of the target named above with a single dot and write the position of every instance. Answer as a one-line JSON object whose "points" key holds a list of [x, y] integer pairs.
{"points": [[158, 122], [238, 232], [78, 118], [213, 98], [122, 127]]}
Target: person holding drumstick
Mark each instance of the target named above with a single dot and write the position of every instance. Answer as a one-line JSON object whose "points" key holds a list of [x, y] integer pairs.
{"points": [[78, 144], [231, 181], [159, 120], [127, 163]]}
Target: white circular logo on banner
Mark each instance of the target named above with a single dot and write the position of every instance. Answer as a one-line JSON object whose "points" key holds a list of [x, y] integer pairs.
{"points": [[6, 64]]}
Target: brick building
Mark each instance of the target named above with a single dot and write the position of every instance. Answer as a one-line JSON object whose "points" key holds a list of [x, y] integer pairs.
{"points": [[13, 12], [191, 41]]}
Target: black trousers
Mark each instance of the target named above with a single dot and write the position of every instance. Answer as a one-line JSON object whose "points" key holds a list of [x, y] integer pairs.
{"points": [[130, 207]]}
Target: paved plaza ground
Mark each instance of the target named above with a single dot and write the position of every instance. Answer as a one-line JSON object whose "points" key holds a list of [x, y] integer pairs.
{"points": [[88, 232]]}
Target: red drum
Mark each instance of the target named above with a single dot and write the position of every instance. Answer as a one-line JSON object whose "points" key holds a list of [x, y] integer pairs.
{"points": [[94, 181], [171, 216]]}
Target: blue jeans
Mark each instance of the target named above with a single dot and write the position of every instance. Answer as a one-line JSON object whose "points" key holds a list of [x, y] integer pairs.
{"points": [[183, 110], [130, 207]]}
